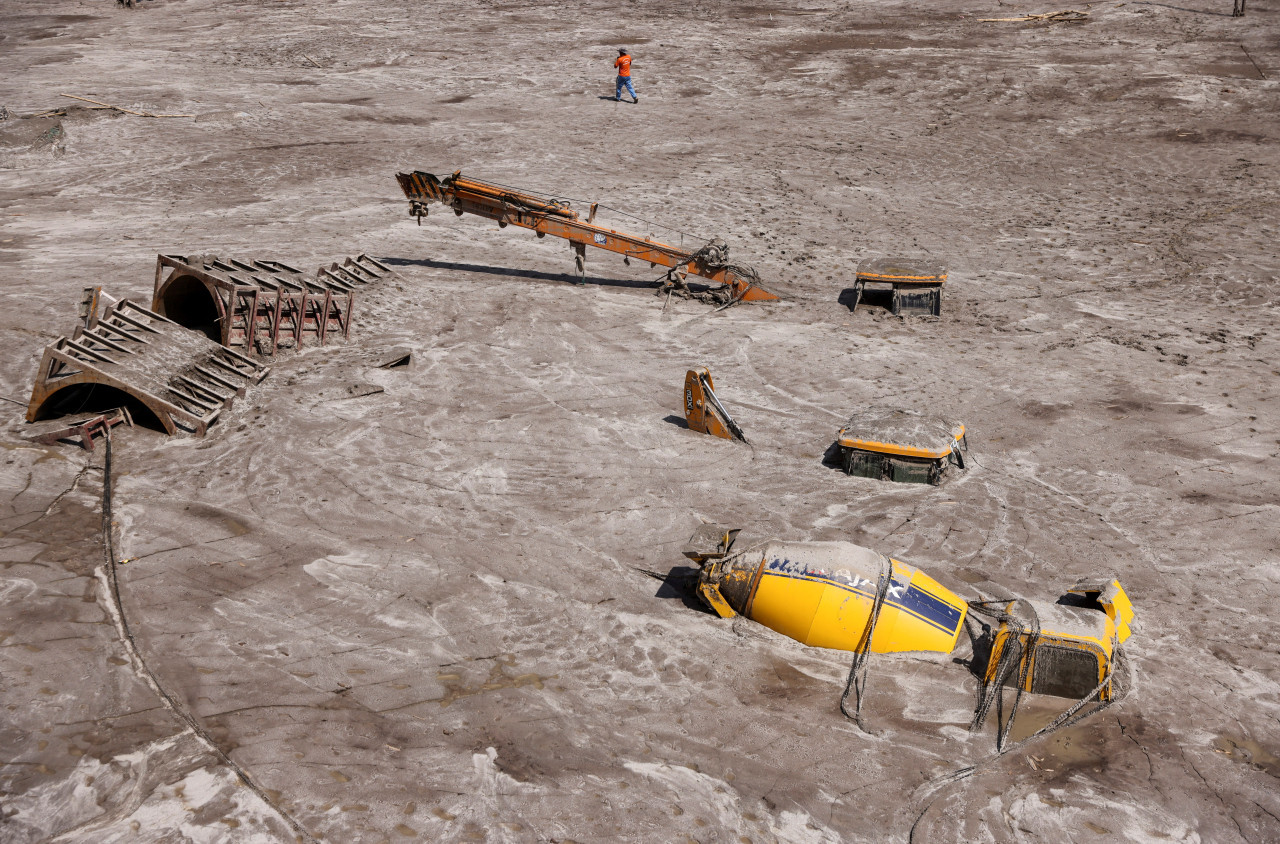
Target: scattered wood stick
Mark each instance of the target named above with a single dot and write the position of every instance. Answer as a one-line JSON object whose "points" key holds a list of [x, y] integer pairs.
{"points": [[108, 105], [1252, 62], [313, 61], [1065, 15], [102, 105]]}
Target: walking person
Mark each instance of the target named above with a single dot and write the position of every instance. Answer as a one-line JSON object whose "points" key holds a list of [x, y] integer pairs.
{"points": [[623, 64]]}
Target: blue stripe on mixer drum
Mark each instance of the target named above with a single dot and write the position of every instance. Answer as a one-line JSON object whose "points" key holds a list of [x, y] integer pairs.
{"points": [[930, 608]]}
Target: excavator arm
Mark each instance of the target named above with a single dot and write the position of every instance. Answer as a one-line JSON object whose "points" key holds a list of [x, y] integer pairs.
{"points": [[551, 217]]}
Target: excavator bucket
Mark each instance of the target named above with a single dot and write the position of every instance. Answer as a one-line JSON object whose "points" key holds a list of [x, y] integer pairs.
{"points": [[703, 411]]}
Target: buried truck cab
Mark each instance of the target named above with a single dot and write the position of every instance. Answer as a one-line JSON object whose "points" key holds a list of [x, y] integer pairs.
{"points": [[898, 445], [1073, 642]]}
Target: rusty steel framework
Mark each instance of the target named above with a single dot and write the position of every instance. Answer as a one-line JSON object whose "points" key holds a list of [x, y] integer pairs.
{"points": [[135, 357], [554, 217], [85, 429], [258, 305]]}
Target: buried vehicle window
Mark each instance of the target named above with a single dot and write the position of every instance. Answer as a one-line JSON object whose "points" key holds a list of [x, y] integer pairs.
{"points": [[1065, 672]]}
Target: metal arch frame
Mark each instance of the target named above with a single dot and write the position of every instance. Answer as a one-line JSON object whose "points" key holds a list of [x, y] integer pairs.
{"points": [[98, 354], [262, 303]]}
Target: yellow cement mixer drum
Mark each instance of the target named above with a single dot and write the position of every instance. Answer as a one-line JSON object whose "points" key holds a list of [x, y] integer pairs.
{"points": [[821, 594]]}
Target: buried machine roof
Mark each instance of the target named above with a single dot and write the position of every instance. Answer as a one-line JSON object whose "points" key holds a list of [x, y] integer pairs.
{"points": [[900, 432], [901, 271]]}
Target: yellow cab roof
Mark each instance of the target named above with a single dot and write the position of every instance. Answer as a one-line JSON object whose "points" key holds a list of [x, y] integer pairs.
{"points": [[900, 432], [1074, 623], [901, 271]]}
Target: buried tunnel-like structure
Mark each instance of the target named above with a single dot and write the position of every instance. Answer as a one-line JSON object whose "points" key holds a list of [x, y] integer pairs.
{"points": [[190, 302], [136, 358], [179, 365], [259, 305]]}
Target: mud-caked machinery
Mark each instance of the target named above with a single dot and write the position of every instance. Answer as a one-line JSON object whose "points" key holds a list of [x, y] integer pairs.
{"points": [[547, 215], [842, 596]]}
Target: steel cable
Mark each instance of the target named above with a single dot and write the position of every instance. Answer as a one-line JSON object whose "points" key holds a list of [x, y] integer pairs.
{"points": [[857, 681], [1069, 718], [130, 644]]}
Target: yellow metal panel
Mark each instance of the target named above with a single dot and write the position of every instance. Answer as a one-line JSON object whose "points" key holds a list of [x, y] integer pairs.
{"points": [[1115, 603], [715, 600], [787, 604], [840, 619], [1119, 609], [905, 624]]}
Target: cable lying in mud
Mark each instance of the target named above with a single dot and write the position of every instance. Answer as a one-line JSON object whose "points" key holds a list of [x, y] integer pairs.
{"points": [[107, 574], [1072, 716]]}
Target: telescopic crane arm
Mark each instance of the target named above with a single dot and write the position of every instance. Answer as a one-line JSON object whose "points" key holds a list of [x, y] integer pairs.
{"points": [[507, 206]]}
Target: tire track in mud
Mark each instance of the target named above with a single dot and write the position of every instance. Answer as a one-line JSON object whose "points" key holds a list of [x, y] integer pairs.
{"points": [[108, 578]]}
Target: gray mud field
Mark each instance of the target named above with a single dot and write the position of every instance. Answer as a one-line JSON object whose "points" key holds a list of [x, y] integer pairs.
{"points": [[446, 602]]}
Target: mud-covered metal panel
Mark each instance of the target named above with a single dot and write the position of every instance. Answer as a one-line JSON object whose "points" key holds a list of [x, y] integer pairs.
{"points": [[901, 271], [917, 300], [900, 432], [864, 464], [736, 586], [914, 471], [134, 356]]}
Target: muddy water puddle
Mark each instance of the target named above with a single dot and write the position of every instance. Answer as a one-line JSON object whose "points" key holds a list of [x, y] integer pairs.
{"points": [[1075, 747], [499, 678], [1249, 752]]}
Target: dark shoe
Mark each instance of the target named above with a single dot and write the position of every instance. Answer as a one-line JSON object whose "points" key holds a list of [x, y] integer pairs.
{"points": [[617, 99], [636, 101]]}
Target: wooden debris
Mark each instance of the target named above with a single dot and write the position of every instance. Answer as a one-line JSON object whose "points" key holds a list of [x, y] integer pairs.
{"points": [[86, 429], [101, 104], [1252, 62], [1063, 16], [313, 61]]}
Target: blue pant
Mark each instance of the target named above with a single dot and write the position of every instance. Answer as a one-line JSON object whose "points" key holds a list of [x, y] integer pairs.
{"points": [[625, 80]]}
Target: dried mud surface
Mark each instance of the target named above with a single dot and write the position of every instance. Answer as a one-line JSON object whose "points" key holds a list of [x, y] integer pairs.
{"points": [[420, 603]]}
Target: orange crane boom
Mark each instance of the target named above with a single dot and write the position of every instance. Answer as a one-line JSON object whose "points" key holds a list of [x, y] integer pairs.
{"points": [[549, 216]]}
